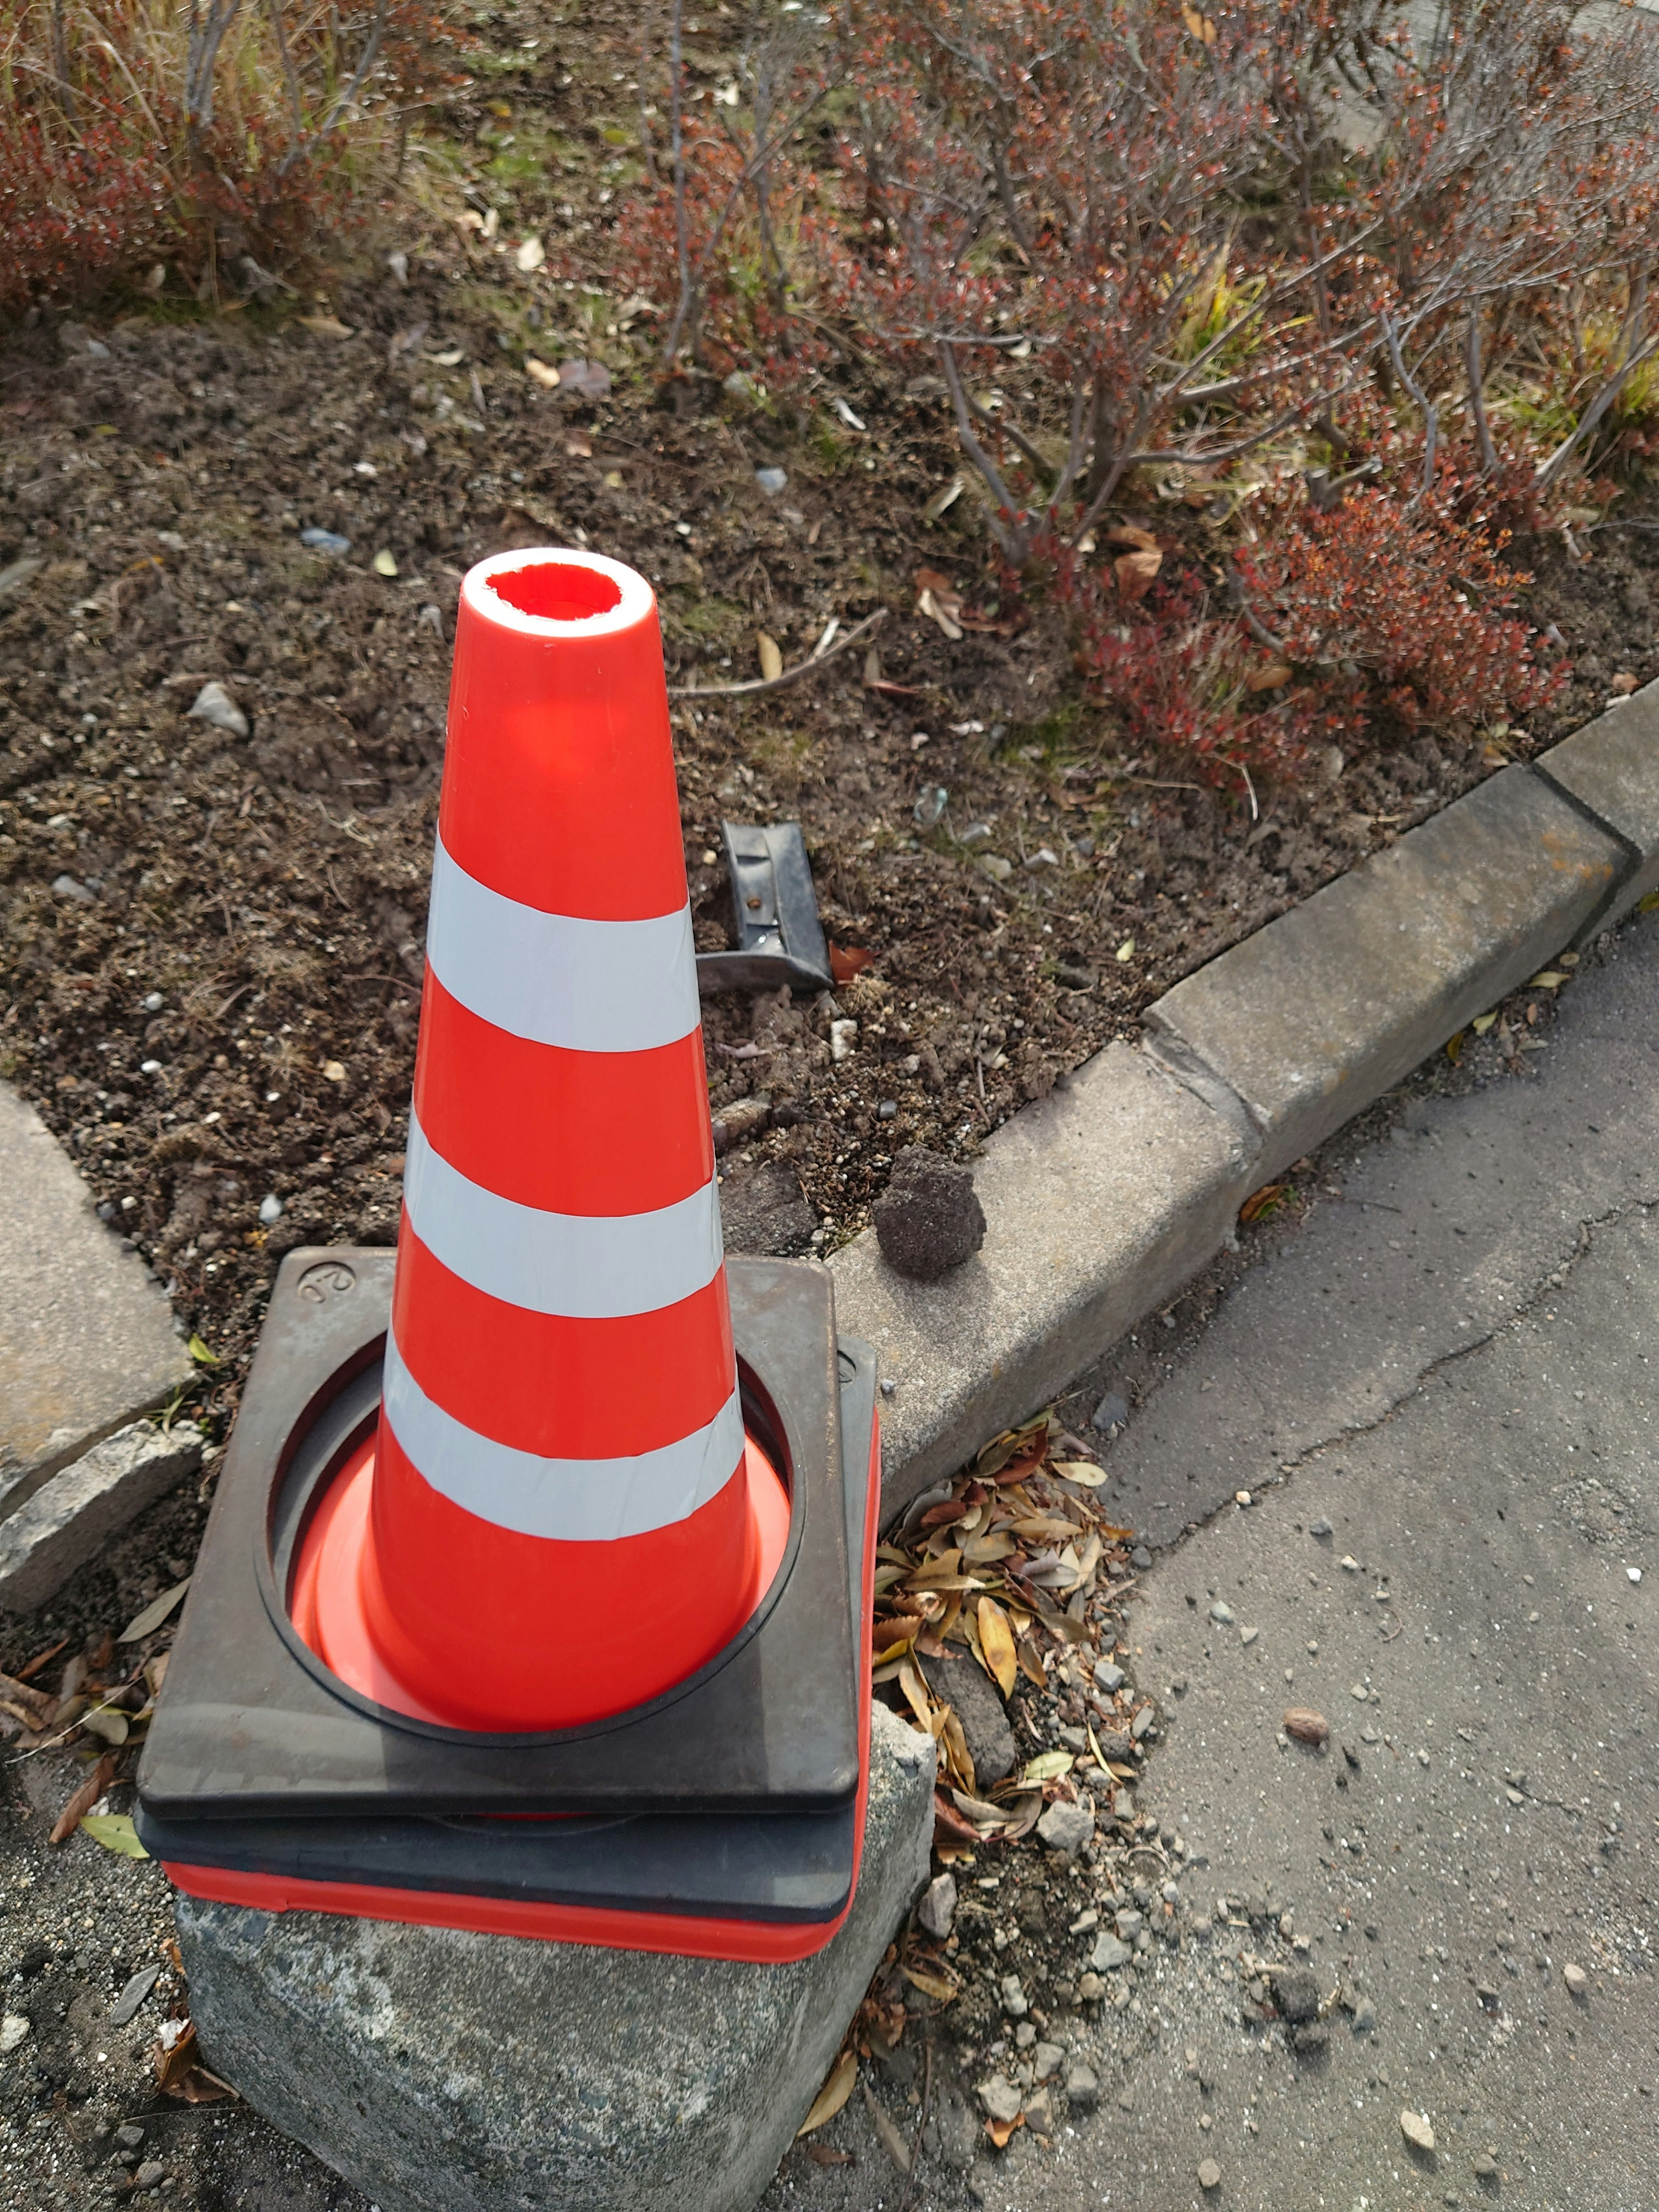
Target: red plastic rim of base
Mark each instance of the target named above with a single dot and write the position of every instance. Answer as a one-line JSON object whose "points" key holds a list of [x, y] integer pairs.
{"points": [[327, 1602], [750, 1942]]}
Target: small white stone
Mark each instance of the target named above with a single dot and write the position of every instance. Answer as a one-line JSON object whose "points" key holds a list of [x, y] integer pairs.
{"points": [[214, 704], [271, 1209], [14, 2030], [1415, 2127]]}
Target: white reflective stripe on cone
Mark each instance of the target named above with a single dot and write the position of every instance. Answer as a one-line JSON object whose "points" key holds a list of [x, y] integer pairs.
{"points": [[578, 1501], [585, 1266], [556, 978]]}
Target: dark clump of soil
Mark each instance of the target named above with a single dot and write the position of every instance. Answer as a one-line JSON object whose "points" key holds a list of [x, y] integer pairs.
{"points": [[211, 945]]}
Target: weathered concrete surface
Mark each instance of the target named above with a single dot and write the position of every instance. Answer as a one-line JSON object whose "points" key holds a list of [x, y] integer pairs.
{"points": [[1326, 1008], [1611, 766], [443, 2072], [1486, 1450], [1099, 1201], [76, 1511], [86, 1338]]}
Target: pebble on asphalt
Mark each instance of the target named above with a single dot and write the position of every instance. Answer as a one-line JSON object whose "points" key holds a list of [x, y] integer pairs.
{"points": [[1000, 2099], [1066, 1828], [1415, 2127], [133, 1995], [1306, 1725], [937, 1910], [1577, 1979], [1209, 2175]]}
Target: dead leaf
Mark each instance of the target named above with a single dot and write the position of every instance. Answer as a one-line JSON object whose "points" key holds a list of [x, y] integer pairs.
{"points": [[28, 1674], [27, 1702], [1047, 1767], [584, 379], [931, 1985], [997, 1642], [949, 1825], [1200, 27], [999, 2130], [143, 1624], [1083, 1471], [1134, 572], [1268, 1199], [1269, 679], [1624, 683], [938, 597], [915, 1693], [959, 1758], [826, 2154], [325, 326], [888, 1637], [115, 1831], [928, 605], [847, 960], [942, 500], [1029, 1664], [978, 1809], [833, 2095], [579, 447], [892, 2141], [198, 2086], [173, 2052], [1131, 535], [771, 657], [83, 1800]]}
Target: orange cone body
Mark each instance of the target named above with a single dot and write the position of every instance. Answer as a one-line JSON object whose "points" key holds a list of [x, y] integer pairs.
{"points": [[565, 1517]]}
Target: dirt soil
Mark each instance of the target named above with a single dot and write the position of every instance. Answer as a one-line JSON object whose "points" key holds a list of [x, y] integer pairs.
{"points": [[210, 942]]}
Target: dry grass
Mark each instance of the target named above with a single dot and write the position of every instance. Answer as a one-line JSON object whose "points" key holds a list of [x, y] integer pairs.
{"points": [[216, 136]]}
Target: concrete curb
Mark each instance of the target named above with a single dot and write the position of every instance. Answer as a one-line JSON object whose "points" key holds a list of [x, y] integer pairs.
{"points": [[74, 1512], [442, 2072], [1103, 1198]]}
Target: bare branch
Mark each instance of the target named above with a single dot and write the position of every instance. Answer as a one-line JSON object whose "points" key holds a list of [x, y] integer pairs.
{"points": [[807, 667]]}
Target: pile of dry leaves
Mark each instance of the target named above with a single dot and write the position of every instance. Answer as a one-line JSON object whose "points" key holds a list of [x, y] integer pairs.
{"points": [[98, 1714], [1013, 1567]]}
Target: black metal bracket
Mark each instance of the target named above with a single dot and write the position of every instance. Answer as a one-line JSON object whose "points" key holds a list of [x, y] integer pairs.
{"points": [[781, 939]]}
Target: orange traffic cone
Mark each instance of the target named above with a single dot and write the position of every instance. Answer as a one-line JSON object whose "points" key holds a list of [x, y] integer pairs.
{"points": [[561, 1516]]}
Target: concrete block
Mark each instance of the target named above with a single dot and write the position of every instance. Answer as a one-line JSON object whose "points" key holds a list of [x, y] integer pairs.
{"points": [[443, 2072], [87, 1340], [1323, 1009], [76, 1511], [1611, 766], [1099, 1202]]}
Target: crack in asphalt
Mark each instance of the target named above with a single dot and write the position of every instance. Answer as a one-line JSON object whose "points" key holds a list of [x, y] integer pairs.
{"points": [[1589, 1228]]}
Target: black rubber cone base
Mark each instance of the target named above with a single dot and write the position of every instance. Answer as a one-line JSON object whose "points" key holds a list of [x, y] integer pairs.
{"points": [[736, 1796]]}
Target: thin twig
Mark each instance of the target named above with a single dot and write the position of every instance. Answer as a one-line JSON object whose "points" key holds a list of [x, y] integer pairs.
{"points": [[1431, 414], [790, 675], [1477, 392]]}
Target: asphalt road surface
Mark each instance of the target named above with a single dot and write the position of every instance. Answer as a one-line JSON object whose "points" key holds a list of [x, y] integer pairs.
{"points": [[1438, 1396]]}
